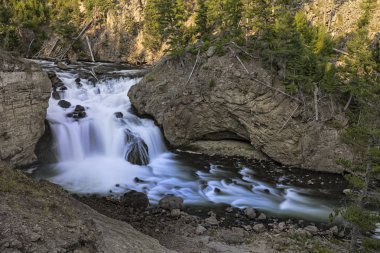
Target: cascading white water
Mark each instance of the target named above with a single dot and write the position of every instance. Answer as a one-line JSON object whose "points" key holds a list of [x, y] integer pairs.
{"points": [[92, 155]]}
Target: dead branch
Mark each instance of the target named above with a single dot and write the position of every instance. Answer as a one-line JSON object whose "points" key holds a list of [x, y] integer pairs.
{"points": [[237, 57], [340, 51], [286, 122], [316, 90], [89, 47], [195, 64]]}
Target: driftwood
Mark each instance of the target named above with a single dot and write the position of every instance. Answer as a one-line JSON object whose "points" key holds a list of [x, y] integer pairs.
{"points": [[75, 39], [30, 45], [244, 51], [348, 103], [286, 122], [261, 82], [340, 51], [89, 47], [316, 90], [238, 58], [195, 64]]}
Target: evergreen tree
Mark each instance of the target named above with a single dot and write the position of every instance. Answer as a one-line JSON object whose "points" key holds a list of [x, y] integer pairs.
{"points": [[359, 78], [164, 21], [201, 19]]}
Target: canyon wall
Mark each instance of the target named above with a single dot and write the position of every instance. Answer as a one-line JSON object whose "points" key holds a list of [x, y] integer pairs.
{"points": [[24, 94]]}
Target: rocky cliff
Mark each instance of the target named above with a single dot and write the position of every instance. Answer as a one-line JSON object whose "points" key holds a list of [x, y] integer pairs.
{"points": [[222, 100], [24, 94]]}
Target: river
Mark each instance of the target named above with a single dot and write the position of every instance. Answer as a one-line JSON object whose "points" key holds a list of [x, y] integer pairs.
{"points": [[104, 148]]}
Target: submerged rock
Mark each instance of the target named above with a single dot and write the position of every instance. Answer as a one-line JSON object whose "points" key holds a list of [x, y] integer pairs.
{"points": [[56, 95], [138, 150], [134, 199], [118, 115], [64, 104], [171, 202]]}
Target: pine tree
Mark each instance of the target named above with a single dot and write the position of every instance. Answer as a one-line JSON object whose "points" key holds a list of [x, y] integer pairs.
{"points": [[360, 80], [201, 19]]}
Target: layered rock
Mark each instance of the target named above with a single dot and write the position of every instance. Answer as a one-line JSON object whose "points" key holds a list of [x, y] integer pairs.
{"points": [[24, 94], [222, 101]]}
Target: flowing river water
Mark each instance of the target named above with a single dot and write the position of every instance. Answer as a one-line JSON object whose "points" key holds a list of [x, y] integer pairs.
{"points": [[109, 150]]}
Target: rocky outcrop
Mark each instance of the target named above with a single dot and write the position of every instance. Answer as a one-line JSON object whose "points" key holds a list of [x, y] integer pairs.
{"points": [[221, 101], [24, 94], [341, 17], [41, 217], [117, 37]]}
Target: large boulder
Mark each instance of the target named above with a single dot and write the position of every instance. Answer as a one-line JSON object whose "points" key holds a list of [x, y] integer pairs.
{"points": [[24, 93], [222, 101]]}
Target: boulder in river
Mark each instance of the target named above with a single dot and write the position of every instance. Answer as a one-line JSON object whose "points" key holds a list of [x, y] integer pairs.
{"points": [[134, 199], [138, 150], [118, 115], [79, 108], [56, 95], [55, 81], [171, 202], [64, 104]]}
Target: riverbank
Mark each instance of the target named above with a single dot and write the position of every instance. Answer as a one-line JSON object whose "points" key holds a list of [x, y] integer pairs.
{"points": [[223, 229]]}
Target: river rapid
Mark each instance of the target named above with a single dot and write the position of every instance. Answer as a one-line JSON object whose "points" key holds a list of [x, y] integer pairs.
{"points": [[104, 148]]}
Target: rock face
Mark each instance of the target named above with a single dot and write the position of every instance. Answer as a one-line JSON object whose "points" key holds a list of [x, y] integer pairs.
{"points": [[24, 95], [221, 101], [41, 217]]}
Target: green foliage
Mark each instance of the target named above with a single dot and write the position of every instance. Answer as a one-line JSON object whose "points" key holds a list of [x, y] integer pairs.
{"points": [[364, 219], [164, 22], [99, 7]]}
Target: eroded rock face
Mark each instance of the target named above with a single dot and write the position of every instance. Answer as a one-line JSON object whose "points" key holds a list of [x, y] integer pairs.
{"points": [[24, 95], [222, 101]]}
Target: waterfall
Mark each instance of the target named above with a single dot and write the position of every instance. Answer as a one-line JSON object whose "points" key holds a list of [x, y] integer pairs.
{"points": [[104, 148]]}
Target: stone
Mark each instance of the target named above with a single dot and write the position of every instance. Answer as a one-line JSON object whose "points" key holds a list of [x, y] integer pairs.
{"points": [[79, 108], [118, 115], [233, 236], [24, 94], [211, 51], [34, 237], [247, 227], [64, 104], [259, 228], [134, 199], [281, 226], [138, 150], [347, 191], [212, 219], [200, 230], [55, 95], [229, 209], [334, 230], [175, 213], [77, 80], [311, 229], [62, 65], [63, 88], [171, 202], [262, 216], [250, 212]]}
